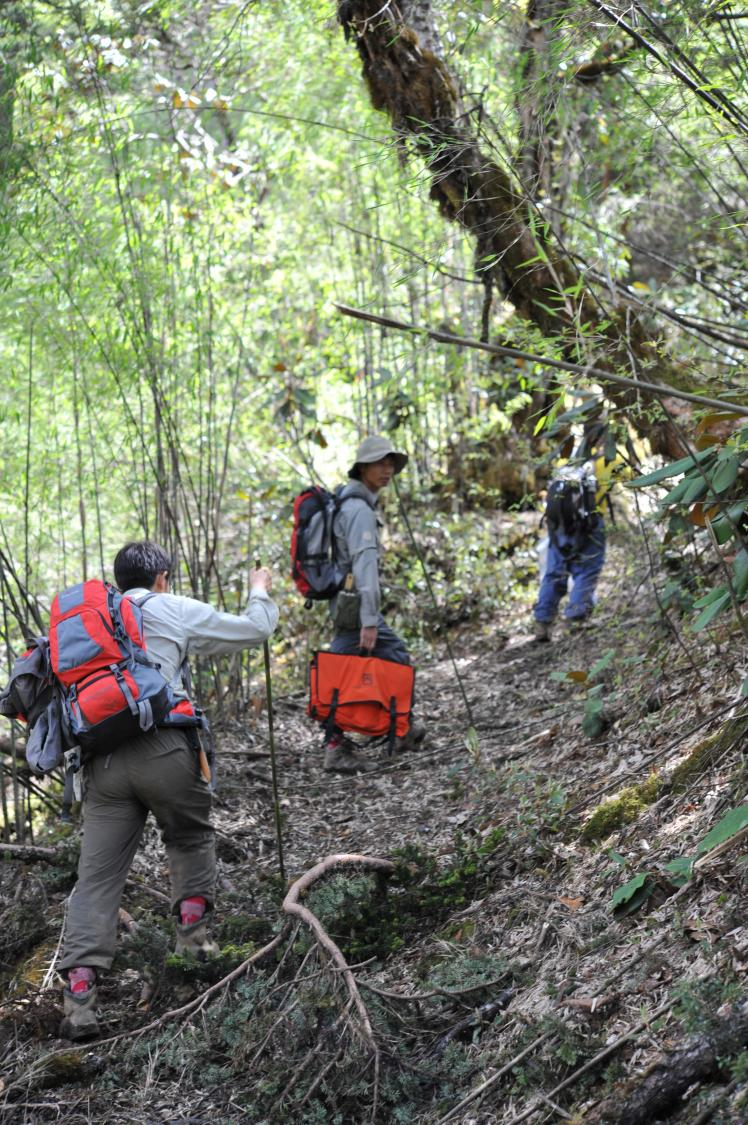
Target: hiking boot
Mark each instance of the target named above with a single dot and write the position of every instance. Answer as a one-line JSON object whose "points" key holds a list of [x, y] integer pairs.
{"points": [[194, 939], [79, 1021], [575, 624], [341, 757], [542, 631], [413, 740]]}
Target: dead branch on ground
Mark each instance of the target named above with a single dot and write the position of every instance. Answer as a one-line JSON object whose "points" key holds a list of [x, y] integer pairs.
{"points": [[646, 1097]]}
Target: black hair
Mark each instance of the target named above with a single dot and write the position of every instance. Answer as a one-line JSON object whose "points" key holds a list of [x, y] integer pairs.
{"points": [[139, 564]]}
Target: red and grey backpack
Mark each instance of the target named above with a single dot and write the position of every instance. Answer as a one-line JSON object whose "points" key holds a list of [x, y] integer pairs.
{"points": [[314, 567], [91, 684], [111, 689]]}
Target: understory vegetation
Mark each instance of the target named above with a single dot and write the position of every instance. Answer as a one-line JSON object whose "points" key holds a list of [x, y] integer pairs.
{"points": [[235, 238]]}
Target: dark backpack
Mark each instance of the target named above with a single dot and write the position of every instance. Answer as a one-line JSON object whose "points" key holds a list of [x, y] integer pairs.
{"points": [[570, 506], [314, 567]]}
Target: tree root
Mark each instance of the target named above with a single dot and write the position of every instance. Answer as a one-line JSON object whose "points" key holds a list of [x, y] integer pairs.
{"points": [[291, 905]]}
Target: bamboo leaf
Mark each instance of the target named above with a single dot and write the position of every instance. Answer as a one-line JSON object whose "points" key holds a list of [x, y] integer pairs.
{"points": [[730, 824], [740, 573], [725, 474], [707, 615], [666, 471]]}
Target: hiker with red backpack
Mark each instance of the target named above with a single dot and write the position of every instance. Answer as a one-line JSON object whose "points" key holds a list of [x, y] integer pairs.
{"points": [[342, 548], [158, 768]]}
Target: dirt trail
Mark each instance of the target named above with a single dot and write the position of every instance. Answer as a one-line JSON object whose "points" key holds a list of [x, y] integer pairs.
{"points": [[537, 911]]}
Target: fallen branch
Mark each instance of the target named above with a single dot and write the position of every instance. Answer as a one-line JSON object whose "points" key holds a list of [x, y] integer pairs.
{"points": [[591, 1064], [29, 851], [588, 372], [725, 846], [51, 855], [291, 905], [647, 1097], [479, 1091]]}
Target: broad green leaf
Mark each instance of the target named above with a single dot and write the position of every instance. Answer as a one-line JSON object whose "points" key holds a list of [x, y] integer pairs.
{"points": [[729, 826], [624, 893], [740, 573], [710, 613], [471, 742], [666, 471], [633, 894], [681, 869], [725, 474]]}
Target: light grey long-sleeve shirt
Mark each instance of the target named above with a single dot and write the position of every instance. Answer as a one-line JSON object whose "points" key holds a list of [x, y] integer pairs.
{"points": [[175, 627], [358, 546]]}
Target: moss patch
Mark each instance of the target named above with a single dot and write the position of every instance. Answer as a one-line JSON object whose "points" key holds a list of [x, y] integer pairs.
{"points": [[620, 810], [703, 756]]}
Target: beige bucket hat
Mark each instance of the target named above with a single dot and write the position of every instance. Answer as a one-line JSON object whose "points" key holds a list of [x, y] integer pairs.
{"points": [[375, 448]]}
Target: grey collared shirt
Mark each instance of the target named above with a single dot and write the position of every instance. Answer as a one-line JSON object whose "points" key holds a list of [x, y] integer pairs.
{"points": [[358, 545]]}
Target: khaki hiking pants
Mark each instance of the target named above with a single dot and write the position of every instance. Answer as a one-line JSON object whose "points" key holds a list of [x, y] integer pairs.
{"points": [[157, 772]]}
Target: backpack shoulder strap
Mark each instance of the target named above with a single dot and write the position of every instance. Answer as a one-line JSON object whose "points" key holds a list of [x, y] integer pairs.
{"points": [[140, 602]]}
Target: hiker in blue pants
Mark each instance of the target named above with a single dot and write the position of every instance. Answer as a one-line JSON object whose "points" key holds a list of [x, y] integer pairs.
{"points": [[578, 557]]}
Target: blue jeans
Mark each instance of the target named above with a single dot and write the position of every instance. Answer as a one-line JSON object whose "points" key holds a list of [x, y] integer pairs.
{"points": [[583, 564]]}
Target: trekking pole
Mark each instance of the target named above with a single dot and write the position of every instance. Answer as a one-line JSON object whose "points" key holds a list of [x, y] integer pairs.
{"points": [[273, 766], [472, 734]]}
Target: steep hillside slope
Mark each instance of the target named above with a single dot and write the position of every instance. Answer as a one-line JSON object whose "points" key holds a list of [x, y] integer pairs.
{"points": [[542, 939]]}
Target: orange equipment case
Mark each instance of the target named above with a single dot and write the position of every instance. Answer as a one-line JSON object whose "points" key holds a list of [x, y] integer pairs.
{"points": [[361, 693]]}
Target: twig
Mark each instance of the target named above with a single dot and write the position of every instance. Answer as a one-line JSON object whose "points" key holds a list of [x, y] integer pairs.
{"points": [[595, 1060], [449, 993], [311, 1054], [320, 1078]]}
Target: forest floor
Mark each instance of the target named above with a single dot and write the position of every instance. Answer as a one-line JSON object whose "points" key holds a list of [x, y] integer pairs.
{"points": [[543, 941]]}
